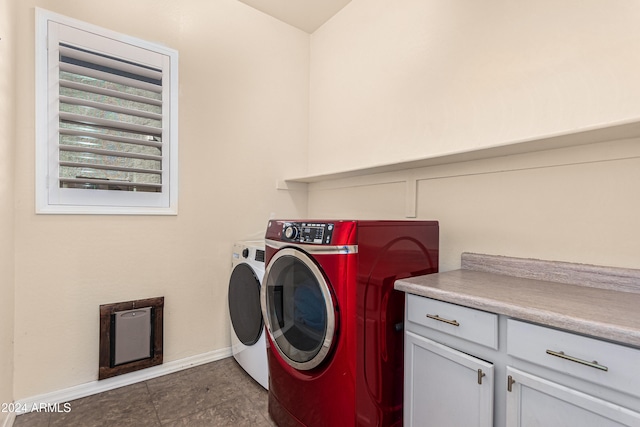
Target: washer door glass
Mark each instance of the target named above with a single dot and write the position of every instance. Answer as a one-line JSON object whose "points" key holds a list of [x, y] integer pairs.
{"points": [[244, 304], [298, 309]]}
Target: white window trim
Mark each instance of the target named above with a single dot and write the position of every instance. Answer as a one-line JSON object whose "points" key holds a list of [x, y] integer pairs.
{"points": [[44, 148]]}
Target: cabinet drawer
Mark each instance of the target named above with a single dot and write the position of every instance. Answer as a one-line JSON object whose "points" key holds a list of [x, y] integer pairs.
{"points": [[463, 322], [600, 362]]}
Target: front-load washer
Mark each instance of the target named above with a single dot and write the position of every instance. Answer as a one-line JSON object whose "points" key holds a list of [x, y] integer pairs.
{"points": [[248, 342], [335, 322]]}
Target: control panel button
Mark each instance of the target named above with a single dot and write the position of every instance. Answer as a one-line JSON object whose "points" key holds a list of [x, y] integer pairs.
{"points": [[291, 232]]}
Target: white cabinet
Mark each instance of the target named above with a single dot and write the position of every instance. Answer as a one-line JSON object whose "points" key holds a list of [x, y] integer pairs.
{"points": [[467, 367], [538, 402], [445, 387], [560, 357]]}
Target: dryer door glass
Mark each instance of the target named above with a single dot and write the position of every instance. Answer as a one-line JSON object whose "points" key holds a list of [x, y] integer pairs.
{"points": [[244, 304], [298, 309]]}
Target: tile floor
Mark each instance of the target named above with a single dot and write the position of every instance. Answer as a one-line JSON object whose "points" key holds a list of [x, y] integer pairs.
{"points": [[215, 394]]}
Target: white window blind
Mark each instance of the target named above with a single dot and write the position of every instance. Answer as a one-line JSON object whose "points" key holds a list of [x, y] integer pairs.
{"points": [[111, 127]]}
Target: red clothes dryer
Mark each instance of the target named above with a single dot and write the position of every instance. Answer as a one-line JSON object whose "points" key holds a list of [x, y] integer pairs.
{"points": [[334, 321]]}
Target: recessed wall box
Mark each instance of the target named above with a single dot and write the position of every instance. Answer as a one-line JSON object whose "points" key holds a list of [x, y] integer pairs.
{"points": [[130, 336]]}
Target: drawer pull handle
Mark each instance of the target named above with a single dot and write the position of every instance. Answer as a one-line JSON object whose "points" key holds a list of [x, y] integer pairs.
{"points": [[436, 317], [593, 364]]}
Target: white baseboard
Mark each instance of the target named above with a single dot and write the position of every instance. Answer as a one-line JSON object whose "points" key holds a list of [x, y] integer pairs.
{"points": [[7, 419], [95, 387]]}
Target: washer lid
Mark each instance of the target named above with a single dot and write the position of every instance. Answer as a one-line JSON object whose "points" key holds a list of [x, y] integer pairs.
{"points": [[298, 309]]}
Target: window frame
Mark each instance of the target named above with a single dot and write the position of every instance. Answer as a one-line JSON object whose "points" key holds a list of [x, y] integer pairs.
{"points": [[50, 198]]}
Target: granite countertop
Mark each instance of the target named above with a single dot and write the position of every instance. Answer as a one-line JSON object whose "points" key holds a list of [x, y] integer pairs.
{"points": [[605, 304]]}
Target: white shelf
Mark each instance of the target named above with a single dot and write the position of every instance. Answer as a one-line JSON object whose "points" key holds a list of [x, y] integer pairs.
{"points": [[600, 133]]}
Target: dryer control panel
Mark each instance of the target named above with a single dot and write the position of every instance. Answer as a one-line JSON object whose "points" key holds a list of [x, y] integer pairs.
{"points": [[307, 232]]}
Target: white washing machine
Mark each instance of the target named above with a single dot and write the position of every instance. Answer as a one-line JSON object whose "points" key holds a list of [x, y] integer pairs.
{"points": [[247, 326]]}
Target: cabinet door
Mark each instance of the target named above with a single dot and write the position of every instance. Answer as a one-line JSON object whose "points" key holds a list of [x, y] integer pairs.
{"points": [[445, 387], [533, 401]]}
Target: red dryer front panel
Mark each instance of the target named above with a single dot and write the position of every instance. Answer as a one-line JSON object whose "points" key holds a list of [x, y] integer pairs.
{"points": [[334, 321]]}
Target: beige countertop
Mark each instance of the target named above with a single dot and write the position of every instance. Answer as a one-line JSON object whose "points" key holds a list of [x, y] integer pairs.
{"points": [[603, 312]]}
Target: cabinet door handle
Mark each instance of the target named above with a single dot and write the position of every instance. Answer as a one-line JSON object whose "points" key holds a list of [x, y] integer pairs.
{"points": [[441, 319], [480, 375], [510, 382], [593, 364]]}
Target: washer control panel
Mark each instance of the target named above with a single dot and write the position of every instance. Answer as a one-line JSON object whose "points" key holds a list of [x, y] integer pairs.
{"points": [[307, 232]]}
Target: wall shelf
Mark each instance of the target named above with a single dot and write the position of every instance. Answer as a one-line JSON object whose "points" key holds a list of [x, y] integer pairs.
{"points": [[594, 134]]}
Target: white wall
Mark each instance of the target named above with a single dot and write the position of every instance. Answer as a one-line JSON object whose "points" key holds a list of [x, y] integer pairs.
{"points": [[575, 204], [393, 81], [7, 120], [406, 79], [243, 102]]}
